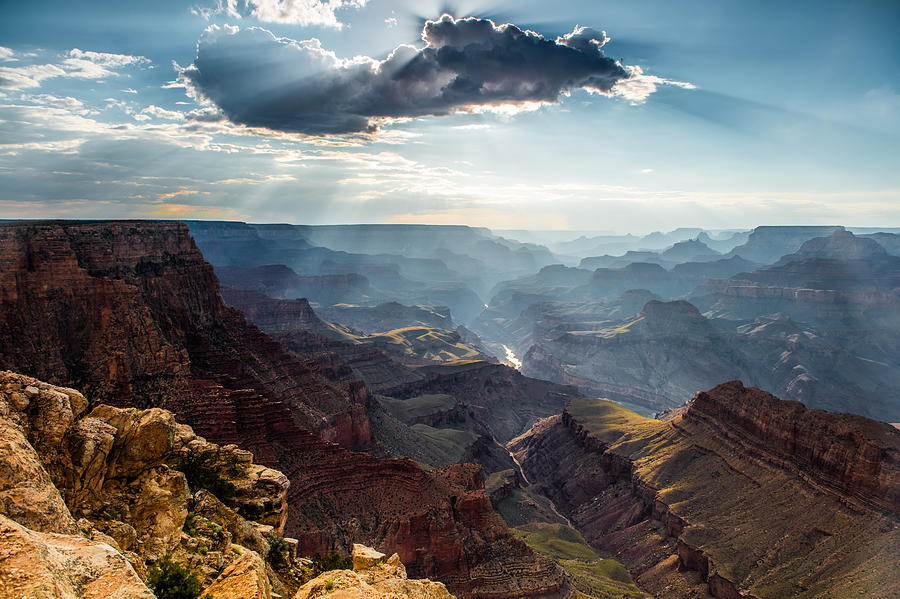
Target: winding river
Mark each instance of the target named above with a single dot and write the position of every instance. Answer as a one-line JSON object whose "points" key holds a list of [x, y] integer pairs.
{"points": [[511, 358]]}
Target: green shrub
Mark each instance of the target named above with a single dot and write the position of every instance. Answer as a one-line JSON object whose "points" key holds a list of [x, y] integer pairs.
{"points": [[277, 550], [332, 561], [170, 580], [200, 472], [190, 525]]}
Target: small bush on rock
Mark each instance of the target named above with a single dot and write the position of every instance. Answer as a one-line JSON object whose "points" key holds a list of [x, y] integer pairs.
{"points": [[333, 561], [170, 580], [277, 550], [200, 472]]}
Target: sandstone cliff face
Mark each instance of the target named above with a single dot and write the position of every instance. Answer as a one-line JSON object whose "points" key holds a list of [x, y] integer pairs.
{"points": [[37, 564], [441, 524], [742, 496], [131, 312]]}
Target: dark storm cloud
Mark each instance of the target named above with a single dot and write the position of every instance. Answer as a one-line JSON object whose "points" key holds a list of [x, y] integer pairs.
{"points": [[257, 79]]}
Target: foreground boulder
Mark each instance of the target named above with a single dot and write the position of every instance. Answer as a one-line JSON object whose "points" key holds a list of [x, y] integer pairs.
{"points": [[244, 578], [49, 565], [374, 576]]}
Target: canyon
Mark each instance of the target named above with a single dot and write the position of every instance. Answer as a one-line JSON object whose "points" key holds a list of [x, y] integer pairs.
{"points": [[397, 427], [820, 326], [741, 495], [131, 313]]}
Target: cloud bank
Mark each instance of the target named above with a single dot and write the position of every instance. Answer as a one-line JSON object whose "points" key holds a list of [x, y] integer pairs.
{"points": [[466, 65]]}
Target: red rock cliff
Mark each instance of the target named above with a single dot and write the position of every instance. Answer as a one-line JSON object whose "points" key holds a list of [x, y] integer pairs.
{"points": [[130, 312]]}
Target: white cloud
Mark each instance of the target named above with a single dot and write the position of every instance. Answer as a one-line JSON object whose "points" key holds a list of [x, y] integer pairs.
{"points": [[97, 65], [638, 87], [65, 146], [77, 64], [107, 59], [7, 54], [73, 105], [472, 127], [29, 76], [161, 113], [391, 21], [291, 12], [254, 179]]}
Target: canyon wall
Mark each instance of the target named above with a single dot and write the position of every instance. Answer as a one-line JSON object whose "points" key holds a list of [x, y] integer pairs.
{"points": [[744, 495]]}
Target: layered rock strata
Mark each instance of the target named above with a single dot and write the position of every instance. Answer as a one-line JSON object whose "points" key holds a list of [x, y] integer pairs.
{"points": [[131, 313], [743, 495]]}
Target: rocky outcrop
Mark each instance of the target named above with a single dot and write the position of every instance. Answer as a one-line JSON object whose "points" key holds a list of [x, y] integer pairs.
{"points": [[692, 250], [97, 497], [244, 578], [767, 244], [374, 576], [500, 398], [855, 457], [840, 245], [741, 496], [279, 316], [441, 523], [43, 564]]}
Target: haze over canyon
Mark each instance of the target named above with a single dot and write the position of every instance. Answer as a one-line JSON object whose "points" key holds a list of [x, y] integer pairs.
{"points": [[370, 370]]}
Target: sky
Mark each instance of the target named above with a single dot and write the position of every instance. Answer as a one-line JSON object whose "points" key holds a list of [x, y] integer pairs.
{"points": [[623, 116]]}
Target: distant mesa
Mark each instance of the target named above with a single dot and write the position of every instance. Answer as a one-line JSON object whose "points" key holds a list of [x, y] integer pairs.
{"points": [[692, 250]]}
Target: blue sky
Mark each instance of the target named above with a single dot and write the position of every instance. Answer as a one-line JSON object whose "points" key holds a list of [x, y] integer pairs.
{"points": [[713, 113]]}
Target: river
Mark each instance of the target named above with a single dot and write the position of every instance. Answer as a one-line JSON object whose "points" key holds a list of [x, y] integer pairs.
{"points": [[511, 358]]}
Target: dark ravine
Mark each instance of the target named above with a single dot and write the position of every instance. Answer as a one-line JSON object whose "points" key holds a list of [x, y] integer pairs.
{"points": [[720, 500]]}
